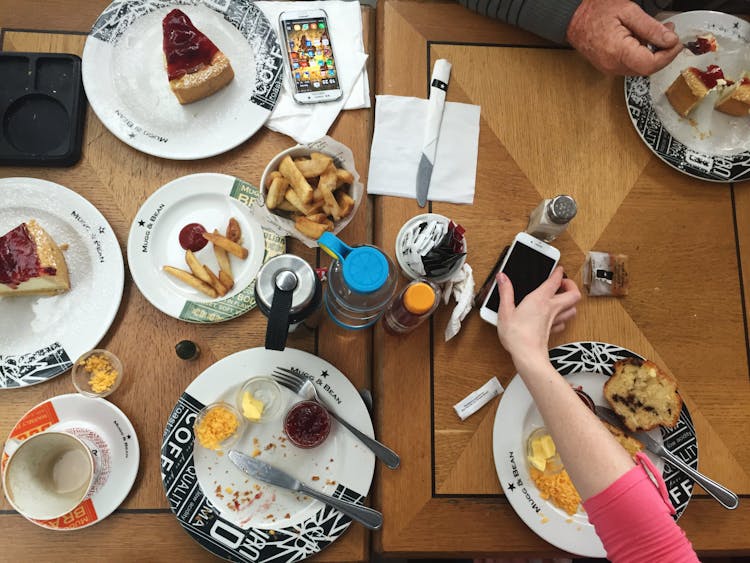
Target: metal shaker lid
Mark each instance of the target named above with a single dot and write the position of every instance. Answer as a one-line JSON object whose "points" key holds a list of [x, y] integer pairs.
{"points": [[562, 209], [289, 272]]}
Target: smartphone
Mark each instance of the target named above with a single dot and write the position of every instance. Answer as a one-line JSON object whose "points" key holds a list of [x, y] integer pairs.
{"points": [[311, 66], [528, 263]]}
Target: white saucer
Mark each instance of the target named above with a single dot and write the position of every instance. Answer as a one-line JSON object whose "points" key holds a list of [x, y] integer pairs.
{"points": [[116, 453]]}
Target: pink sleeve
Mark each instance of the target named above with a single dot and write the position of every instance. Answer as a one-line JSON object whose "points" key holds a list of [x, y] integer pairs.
{"points": [[633, 518]]}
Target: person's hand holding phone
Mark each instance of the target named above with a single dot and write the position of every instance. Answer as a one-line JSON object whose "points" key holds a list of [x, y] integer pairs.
{"points": [[524, 329]]}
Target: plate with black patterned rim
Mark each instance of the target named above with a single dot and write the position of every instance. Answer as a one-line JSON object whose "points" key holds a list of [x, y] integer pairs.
{"points": [[708, 145], [126, 80], [586, 366], [210, 200], [238, 518], [48, 333]]}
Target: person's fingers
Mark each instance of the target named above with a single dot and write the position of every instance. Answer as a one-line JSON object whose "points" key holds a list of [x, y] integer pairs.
{"points": [[557, 327], [639, 59], [666, 56], [565, 315], [647, 29], [567, 298], [505, 290], [552, 283]]}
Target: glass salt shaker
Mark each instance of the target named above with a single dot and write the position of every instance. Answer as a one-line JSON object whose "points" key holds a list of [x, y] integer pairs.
{"points": [[551, 217]]}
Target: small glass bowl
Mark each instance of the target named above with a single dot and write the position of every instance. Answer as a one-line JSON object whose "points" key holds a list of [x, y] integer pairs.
{"points": [[554, 463], [230, 440], [82, 376], [267, 391], [299, 420]]}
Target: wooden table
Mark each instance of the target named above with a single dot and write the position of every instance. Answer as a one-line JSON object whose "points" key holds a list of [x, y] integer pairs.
{"points": [[117, 179], [551, 124]]}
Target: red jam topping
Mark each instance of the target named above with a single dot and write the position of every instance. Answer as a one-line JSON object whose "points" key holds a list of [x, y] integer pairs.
{"points": [[745, 81], [307, 424], [19, 261], [702, 45], [710, 77], [187, 50], [191, 237]]}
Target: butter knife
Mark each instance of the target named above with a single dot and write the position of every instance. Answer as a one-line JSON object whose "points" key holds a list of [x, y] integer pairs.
{"points": [[725, 497], [263, 471], [441, 74]]}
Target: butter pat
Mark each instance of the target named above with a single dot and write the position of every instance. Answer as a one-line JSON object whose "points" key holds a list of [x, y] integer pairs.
{"points": [[477, 399], [252, 408]]}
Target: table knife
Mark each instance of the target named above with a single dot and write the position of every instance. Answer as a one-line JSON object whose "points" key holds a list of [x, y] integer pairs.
{"points": [[267, 473], [441, 74], [725, 497]]}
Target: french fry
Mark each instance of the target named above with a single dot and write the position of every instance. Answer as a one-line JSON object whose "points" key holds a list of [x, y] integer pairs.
{"points": [[222, 258], [343, 177], [318, 217], [226, 279], [298, 182], [310, 228], [273, 175], [292, 197], [196, 267], [227, 244], [326, 185], [287, 206], [234, 231], [313, 167], [346, 203], [191, 280], [216, 283], [317, 195], [276, 192]]}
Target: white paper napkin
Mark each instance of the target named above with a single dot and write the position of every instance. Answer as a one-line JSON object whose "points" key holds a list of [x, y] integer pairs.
{"points": [[307, 122], [397, 145]]}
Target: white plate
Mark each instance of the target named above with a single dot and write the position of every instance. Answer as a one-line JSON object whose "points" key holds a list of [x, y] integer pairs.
{"points": [[278, 525], [709, 145], [208, 199], [126, 80], [109, 433], [588, 365], [49, 333]]}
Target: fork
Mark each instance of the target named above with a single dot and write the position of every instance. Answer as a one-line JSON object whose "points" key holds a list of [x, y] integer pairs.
{"points": [[306, 389]]}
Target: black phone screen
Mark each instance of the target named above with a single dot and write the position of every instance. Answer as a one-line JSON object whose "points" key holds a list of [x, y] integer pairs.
{"points": [[310, 54], [527, 269]]}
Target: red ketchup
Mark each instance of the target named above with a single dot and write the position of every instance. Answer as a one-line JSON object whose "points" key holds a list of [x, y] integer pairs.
{"points": [[19, 261], [710, 77], [187, 50], [307, 424], [191, 237]]}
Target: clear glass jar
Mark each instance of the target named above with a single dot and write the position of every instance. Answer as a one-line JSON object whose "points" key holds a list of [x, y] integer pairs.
{"points": [[415, 304], [361, 283]]}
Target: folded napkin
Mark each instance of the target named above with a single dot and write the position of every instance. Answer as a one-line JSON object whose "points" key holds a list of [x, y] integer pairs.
{"points": [[397, 146], [308, 122]]}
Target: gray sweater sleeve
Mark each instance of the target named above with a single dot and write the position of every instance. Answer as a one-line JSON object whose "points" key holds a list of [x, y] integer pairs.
{"points": [[546, 18]]}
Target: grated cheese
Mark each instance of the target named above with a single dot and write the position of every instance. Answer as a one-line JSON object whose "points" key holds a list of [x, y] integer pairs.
{"points": [[558, 488], [103, 373], [217, 425]]}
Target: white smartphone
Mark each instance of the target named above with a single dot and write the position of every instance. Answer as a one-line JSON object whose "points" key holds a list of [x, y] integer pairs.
{"points": [[528, 263], [311, 66]]}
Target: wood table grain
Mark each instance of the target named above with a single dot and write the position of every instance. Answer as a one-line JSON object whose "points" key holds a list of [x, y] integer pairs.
{"points": [[551, 124], [117, 179]]}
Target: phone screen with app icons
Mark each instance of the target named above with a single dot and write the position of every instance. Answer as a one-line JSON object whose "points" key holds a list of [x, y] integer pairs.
{"points": [[310, 54]]}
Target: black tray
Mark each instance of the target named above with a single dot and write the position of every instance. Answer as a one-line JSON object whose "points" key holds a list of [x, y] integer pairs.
{"points": [[43, 109]]}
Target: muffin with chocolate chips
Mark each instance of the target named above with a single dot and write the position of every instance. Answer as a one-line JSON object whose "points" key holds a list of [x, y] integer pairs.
{"points": [[643, 395]]}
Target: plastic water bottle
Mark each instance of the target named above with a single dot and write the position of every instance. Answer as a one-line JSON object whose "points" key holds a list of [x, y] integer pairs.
{"points": [[361, 282]]}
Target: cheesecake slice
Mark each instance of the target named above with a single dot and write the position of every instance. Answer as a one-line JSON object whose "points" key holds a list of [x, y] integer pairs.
{"points": [[735, 100], [692, 85], [31, 263], [703, 44], [195, 66]]}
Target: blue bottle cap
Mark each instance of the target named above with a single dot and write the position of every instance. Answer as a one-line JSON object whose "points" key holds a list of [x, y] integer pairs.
{"points": [[365, 269]]}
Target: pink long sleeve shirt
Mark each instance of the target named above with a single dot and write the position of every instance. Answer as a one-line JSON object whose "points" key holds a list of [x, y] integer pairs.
{"points": [[633, 518]]}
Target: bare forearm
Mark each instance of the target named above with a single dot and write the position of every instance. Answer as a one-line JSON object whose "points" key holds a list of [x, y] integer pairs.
{"points": [[592, 457]]}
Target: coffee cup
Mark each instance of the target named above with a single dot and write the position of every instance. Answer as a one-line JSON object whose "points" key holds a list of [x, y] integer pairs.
{"points": [[48, 474]]}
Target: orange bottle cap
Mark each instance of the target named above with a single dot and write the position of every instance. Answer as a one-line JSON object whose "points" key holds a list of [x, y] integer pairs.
{"points": [[419, 298]]}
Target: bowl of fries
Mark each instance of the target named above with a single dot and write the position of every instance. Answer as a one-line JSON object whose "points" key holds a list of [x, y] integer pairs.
{"points": [[311, 189]]}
